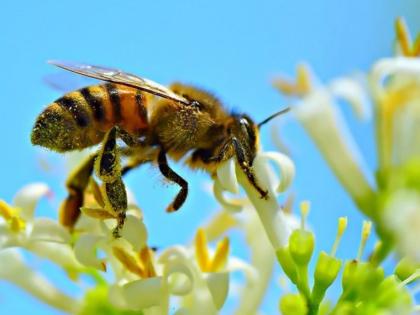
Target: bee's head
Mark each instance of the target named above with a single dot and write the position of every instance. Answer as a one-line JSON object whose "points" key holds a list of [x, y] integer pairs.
{"points": [[246, 133]]}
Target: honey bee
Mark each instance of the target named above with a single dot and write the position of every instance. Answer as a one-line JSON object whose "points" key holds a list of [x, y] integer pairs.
{"points": [[154, 122]]}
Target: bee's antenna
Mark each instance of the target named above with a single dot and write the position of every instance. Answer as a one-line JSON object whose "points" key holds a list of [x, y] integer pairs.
{"points": [[285, 110]]}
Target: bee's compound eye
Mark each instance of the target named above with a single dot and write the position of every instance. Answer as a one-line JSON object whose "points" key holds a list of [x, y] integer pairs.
{"points": [[244, 122]]}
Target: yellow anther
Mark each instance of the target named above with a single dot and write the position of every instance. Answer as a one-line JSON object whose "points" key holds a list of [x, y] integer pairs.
{"points": [[305, 206], [220, 256], [128, 261], [146, 259], [6, 211], [403, 36], [302, 85], [404, 41], [201, 251], [303, 79], [416, 46], [366, 229], [17, 224], [342, 226]]}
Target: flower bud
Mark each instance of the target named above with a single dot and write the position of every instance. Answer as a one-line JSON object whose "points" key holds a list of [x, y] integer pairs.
{"points": [[287, 263], [405, 268], [293, 304], [301, 244]]}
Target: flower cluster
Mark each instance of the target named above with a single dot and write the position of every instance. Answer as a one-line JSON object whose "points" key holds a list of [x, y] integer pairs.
{"points": [[125, 275], [392, 202]]}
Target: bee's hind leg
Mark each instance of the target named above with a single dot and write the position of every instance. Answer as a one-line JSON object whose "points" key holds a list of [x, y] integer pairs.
{"points": [[108, 169], [174, 177], [76, 185]]}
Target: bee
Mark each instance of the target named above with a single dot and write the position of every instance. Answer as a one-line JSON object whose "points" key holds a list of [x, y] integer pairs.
{"points": [[154, 122]]}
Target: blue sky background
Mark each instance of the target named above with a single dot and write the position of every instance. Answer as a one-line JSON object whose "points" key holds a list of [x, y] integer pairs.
{"points": [[231, 47]]}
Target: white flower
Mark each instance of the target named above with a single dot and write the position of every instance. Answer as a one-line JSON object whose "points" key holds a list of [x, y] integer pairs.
{"points": [[229, 174], [42, 236], [319, 113], [16, 271]]}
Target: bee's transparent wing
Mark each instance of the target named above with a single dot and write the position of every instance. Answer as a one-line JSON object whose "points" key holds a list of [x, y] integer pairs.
{"points": [[120, 77], [64, 82]]}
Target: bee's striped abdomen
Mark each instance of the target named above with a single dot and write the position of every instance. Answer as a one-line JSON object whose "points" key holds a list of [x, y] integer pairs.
{"points": [[80, 118]]}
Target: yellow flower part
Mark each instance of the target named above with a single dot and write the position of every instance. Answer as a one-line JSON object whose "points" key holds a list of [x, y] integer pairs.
{"points": [[11, 216], [219, 259], [391, 103], [300, 87], [141, 265], [408, 48]]}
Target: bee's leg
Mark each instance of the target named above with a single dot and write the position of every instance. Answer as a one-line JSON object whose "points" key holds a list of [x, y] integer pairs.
{"points": [[76, 185], [129, 139], [247, 168], [108, 169], [172, 176]]}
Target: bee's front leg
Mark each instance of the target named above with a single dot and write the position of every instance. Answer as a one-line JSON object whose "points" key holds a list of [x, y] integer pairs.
{"points": [[247, 168], [108, 169]]}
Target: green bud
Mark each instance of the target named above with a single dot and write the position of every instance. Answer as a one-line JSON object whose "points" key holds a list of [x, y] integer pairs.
{"points": [[350, 273], [391, 293], [287, 263], [301, 244], [405, 268], [293, 304], [326, 271]]}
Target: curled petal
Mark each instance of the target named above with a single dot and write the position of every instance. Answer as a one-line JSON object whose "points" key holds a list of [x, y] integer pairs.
{"points": [[227, 177], [284, 163], [134, 231], [228, 204], [86, 251], [352, 92], [389, 66], [218, 284], [179, 278], [15, 270], [45, 229], [27, 198], [236, 264], [144, 293]]}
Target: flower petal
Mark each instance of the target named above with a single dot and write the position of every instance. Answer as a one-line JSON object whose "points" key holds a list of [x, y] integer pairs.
{"points": [[45, 229], [179, 278], [352, 92], [144, 293], [323, 121], [17, 272], [27, 198], [134, 231], [283, 162], [232, 205], [227, 177], [218, 284], [85, 250]]}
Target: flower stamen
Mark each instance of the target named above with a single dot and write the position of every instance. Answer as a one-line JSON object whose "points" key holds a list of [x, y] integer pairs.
{"points": [[220, 257], [366, 229], [342, 226]]}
